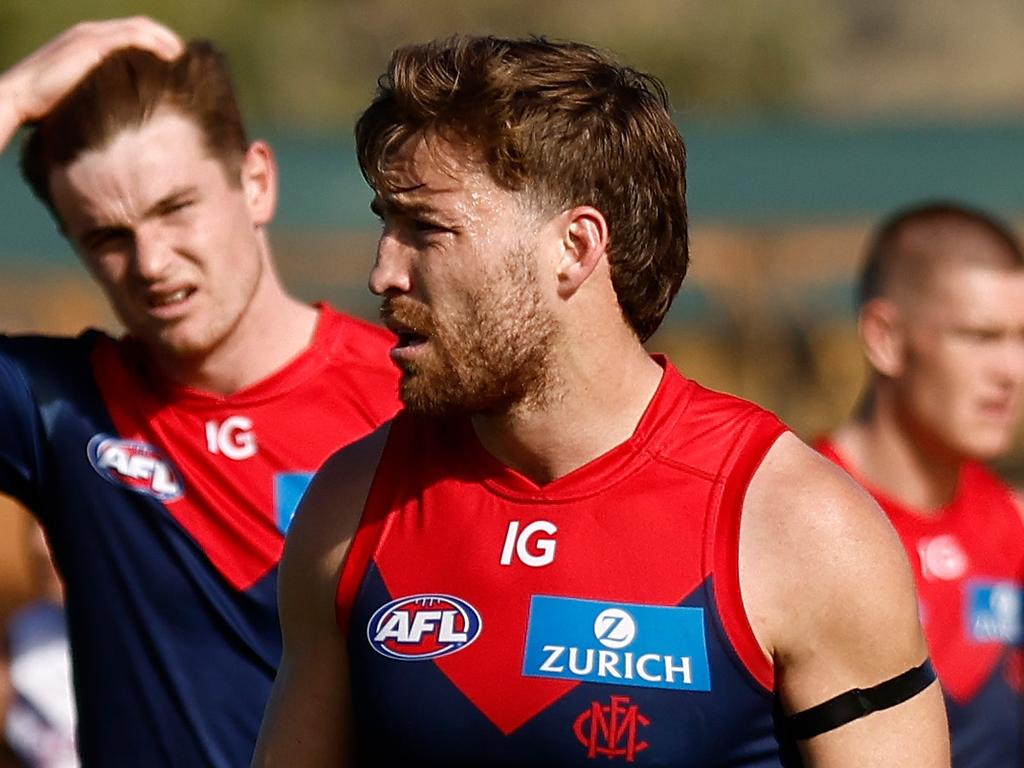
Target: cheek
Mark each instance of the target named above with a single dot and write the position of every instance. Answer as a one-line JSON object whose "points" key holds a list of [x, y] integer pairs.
{"points": [[108, 270]]}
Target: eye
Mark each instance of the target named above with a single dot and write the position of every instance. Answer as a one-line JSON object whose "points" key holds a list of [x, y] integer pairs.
{"points": [[174, 206], [421, 225], [104, 239]]}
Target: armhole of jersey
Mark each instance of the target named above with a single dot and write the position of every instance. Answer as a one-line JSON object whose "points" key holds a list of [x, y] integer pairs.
{"points": [[726, 543], [367, 535]]}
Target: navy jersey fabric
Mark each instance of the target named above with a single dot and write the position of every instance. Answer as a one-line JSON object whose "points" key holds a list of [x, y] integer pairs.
{"points": [[595, 620], [167, 530]]}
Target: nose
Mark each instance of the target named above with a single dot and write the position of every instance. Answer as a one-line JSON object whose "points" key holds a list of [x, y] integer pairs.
{"points": [[1013, 360], [1006, 362], [152, 255], [390, 273]]}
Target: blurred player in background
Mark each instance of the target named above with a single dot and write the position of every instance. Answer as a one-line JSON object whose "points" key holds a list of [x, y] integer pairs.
{"points": [[40, 717], [941, 315], [165, 465], [564, 550]]}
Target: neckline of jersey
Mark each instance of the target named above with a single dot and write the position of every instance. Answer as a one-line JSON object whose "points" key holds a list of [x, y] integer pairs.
{"points": [[306, 364], [666, 407]]}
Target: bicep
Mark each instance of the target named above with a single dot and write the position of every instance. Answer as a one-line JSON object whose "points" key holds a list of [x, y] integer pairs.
{"points": [[837, 610], [912, 733], [307, 720]]}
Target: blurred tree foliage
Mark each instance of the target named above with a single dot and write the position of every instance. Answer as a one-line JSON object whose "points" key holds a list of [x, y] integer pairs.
{"points": [[313, 63]]}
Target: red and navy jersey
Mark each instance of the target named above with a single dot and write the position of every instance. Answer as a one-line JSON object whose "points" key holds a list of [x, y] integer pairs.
{"points": [[596, 618], [165, 509], [968, 561]]}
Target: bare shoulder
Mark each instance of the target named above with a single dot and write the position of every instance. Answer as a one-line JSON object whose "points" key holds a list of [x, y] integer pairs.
{"points": [[324, 525], [824, 578]]}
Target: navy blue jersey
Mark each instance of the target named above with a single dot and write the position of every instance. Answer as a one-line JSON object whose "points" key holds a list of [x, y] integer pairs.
{"points": [[595, 620], [165, 510]]}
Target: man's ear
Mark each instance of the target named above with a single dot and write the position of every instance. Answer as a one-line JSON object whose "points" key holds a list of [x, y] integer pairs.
{"points": [[584, 245], [259, 182], [882, 336]]}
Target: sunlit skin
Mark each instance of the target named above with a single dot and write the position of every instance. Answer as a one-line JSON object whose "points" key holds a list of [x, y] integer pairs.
{"points": [[506, 310], [962, 382], [948, 355], [180, 250], [458, 277]]}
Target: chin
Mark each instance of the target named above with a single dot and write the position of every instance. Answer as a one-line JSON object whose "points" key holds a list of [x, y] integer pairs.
{"points": [[987, 450]]}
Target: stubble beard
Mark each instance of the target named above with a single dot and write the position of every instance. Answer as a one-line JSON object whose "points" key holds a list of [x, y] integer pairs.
{"points": [[490, 356]]}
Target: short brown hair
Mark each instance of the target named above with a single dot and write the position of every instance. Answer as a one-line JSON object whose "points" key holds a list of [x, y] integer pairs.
{"points": [[124, 91], [912, 241], [566, 124]]}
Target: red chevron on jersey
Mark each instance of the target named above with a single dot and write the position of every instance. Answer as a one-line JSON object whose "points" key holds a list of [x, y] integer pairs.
{"points": [[605, 595], [229, 450]]}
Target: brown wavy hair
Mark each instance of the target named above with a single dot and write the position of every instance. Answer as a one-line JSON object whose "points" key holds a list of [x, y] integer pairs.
{"points": [[562, 122], [124, 91]]}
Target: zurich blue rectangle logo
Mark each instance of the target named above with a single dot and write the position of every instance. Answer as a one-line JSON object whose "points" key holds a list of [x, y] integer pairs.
{"points": [[994, 612], [617, 643]]}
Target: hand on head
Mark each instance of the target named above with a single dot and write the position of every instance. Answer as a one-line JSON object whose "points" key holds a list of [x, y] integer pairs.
{"points": [[30, 88]]}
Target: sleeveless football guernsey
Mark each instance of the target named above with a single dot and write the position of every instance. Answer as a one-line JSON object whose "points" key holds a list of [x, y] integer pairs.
{"points": [[968, 561], [165, 509], [594, 620]]}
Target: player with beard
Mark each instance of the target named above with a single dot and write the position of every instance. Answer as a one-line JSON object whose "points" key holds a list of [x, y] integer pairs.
{"points": [[164, 465], [564, 550], [941, 315]]}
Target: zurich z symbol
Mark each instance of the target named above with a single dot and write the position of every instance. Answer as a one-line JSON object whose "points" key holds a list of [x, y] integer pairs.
{"points": [[423, 627], [136, 466]]}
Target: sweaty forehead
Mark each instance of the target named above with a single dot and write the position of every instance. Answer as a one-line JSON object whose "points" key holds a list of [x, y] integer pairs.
{"points": [[433, 171], [433, 164]]}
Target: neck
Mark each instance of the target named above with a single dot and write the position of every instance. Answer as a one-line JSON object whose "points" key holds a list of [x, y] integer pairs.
{"points": [[882, 450], [588, 410]]}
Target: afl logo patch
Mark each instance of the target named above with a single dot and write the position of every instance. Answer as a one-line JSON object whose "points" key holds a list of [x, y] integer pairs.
{"points": [[136, 466], [423, 627]]}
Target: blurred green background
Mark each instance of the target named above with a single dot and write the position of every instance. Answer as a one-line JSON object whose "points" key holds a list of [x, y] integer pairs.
{"points": [[805, 121]]}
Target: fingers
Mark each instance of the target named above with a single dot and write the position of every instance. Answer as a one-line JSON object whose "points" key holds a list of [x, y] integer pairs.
{"points": [[138, 32], [32, 86]]}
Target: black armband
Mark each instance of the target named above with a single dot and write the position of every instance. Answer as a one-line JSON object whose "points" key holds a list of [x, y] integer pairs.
{"points": [[855, 704]]}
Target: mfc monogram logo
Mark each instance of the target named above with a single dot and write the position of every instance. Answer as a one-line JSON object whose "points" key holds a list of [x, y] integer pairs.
{"points": [[233, 437], [531, 548], [612, 730]]}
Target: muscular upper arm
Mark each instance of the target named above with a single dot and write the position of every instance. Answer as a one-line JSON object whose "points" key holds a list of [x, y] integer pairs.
{"points": [[307, 718], [831, 597]]}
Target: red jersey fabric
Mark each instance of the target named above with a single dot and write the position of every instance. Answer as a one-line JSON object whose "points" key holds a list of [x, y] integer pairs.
{"points": [[231, 449], [492, 621]]}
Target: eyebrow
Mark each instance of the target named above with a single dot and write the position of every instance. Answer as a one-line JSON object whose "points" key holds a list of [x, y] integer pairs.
{"points": [[379, 206], [94, 232]]}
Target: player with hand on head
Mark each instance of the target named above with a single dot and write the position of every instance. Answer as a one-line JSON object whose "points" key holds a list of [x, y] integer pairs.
{"points": [[164, 465], [941, 318], [563, 550]]}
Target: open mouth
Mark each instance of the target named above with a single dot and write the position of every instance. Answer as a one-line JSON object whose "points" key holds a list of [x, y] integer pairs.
{"points": [[157, 301], [408, 339]]}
